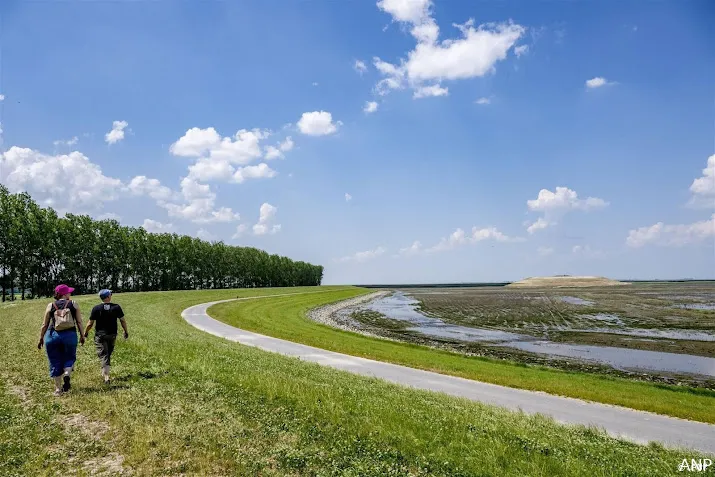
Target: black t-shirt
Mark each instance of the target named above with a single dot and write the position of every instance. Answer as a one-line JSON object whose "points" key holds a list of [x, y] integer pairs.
{"points": [[105, 316]]}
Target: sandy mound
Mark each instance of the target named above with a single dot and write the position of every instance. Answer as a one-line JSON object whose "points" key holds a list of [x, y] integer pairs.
{"points": [[566, 281]]}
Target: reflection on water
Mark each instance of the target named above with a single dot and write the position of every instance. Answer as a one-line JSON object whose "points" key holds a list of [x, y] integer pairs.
{"points": [[574, 300], [704, 296], [398, 306], [465, 333], [692, 335], [696, 306], [621, 358]]}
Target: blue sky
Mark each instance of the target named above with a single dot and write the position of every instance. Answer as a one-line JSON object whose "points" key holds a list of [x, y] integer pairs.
{"points": [[481, 111]]}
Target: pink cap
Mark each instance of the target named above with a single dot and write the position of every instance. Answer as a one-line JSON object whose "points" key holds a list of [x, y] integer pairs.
{"points": [[63, 290]]}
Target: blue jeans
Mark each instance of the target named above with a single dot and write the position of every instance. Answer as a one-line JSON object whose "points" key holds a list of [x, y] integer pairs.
{"points": [[61, 347]]}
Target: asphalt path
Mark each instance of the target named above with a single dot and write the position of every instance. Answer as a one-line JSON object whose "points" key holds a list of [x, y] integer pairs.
{"points": [[638, 426]]}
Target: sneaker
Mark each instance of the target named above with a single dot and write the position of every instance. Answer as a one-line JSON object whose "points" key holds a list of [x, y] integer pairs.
{"points": [[67, 385], [58, 392]]}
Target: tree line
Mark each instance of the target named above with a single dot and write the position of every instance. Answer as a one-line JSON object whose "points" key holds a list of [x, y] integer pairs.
{"points": [[38, 250]]}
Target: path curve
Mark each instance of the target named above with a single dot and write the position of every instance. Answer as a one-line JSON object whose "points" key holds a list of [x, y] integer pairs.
{"points": [[638, 426]]}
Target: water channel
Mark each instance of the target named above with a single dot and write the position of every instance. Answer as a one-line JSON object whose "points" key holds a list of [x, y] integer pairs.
{"points": [[399, 306]]}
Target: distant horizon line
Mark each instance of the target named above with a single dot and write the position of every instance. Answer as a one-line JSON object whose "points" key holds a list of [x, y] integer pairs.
{"points": [[666, 280]]}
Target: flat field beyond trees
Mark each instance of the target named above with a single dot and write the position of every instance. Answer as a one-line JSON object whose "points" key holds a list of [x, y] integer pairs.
{"points": [[187, 403], [639, 305]]}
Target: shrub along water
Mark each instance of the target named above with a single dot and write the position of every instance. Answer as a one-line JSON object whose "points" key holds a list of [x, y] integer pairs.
{"points": [[38, 249]]}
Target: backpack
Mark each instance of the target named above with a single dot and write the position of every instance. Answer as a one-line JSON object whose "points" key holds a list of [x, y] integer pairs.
{"points": [[63, 317]]}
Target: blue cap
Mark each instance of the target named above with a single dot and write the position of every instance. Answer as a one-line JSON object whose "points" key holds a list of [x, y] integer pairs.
{"points": [[104, 293]]}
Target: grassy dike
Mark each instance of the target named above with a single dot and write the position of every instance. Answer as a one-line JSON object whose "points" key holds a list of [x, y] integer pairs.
{"points": [[285, 318], [187, 403]]}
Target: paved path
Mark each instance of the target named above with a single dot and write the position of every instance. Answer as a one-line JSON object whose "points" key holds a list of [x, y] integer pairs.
{"points": [[622, 422]]}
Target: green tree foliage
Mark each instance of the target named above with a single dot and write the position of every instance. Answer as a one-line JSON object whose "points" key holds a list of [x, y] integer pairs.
{"points": [[38, 250]]}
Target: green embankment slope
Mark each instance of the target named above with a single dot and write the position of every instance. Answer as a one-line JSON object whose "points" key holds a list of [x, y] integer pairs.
{"points": [[184, 402], [285, 318]]}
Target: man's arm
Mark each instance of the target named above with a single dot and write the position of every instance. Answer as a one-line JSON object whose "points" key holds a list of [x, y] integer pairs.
{"points": [[124, 325], [122, 321], [45, 325], [90, 324], [89, 327]]}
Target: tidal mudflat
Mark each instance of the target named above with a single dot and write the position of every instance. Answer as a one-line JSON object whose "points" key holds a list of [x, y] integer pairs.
{"points": [[649, 330]]}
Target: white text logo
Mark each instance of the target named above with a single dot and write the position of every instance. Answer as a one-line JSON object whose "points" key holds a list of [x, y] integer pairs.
{"points": [[695, 465]]}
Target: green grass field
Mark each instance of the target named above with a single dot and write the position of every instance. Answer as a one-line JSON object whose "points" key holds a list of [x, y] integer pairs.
{"points": [[187, 403]]}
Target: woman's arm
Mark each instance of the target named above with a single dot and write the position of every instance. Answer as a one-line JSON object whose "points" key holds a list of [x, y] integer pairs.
{"points": [[78, 320], [45, 325]]}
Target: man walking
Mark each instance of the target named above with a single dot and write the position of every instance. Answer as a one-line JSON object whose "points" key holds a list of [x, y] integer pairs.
{"points": [[105, 316]]}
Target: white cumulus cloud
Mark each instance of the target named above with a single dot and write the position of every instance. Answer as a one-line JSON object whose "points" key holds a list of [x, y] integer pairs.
{"points": [[225, 159], [370, 107], [406, 11], [483, 101], [360, 66], [242, 148], [240, 231], [66, 142], [521, 50], [558, 203], [265, 224], [414, 249], [199, 205], [361, 257], [66, 182], [72, 183], [117, 132], [348, 197], [155, 226], [672, 235], [259, 171], [472, 55], [430, 90], [317, 123], [201, 211], [459, 238], [703, 188], [195, 142], [277, 152], [541, 223], [563, 198], [144, 186], [598, 82], [207, 170]]}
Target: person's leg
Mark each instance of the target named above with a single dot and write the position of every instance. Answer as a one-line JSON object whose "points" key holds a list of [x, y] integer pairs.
{"points": [[69, 339], [55, 352], [100, 344], [109, 341]]}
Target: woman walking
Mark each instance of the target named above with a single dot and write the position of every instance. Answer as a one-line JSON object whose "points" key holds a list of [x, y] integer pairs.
{"points": [[59, 336]]}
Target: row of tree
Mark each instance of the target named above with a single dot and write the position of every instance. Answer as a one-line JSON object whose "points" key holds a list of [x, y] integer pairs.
{"points": [[38, 250]]}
